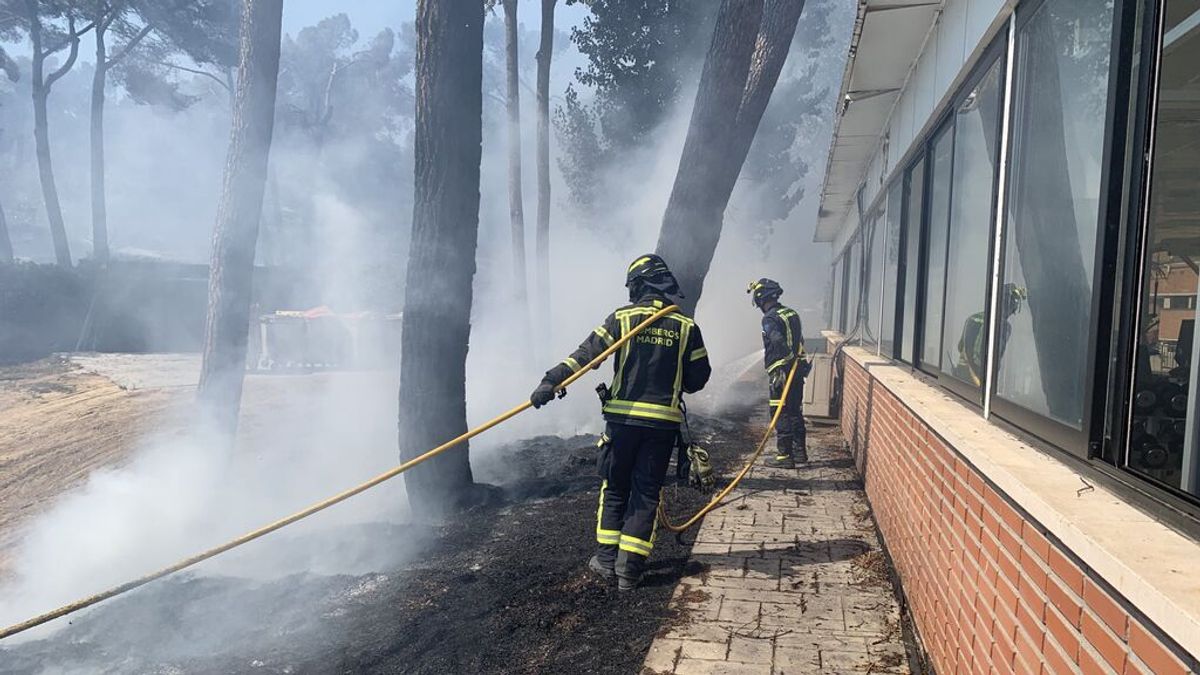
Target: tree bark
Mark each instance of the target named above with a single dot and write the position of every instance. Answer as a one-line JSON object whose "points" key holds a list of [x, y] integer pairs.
{"points": [[516, 202], [441, 266], [6, 249], [99, 206], [235, 236], [40, 85], [749, 47], [545, 51]]}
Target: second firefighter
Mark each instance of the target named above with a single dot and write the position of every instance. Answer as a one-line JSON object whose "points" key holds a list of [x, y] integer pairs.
{"points": [[783, 344]]}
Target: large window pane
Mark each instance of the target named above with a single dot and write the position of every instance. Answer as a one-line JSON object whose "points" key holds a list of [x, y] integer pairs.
{"points": [[891, 265], [835, 299], [1163, 442], [853, 299], [914, 184], [1052, 212], [935, 266], [875, 256], [976, 148]]}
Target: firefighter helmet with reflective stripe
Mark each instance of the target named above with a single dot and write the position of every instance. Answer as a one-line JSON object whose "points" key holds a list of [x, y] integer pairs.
{"points": [[650, 271], [763, 290]]}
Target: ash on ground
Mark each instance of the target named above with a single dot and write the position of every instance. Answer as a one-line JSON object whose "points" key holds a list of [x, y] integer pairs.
{"points": [[504, 588]]}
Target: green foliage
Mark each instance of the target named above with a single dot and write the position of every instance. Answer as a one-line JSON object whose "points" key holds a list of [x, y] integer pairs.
{"points": [[640, 53]]}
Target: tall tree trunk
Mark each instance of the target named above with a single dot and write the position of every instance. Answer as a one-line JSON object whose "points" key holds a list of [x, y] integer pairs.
{"points": [[6, 249], [545, 51], [516, 203], [750, 44], [231, 273], [40, 86], [99, 207], [441, 265]]}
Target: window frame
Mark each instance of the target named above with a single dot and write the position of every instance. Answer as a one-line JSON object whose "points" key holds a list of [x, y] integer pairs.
{"points": [[945, 124], [1077, 442], [922, 240], [995, 53], [1134, 110]]}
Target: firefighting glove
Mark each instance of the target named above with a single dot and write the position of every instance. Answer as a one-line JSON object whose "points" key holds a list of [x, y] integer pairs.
{"points": [[701, 473], [544, 394]]}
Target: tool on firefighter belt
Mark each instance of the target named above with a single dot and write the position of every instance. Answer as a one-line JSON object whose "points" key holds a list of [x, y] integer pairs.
{"points": [[691, 460], [720, 497], [335, 499], [603, 392], [700, 475]]}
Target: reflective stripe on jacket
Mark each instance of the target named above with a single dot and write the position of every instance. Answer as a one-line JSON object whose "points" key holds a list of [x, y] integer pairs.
{"points": [[783, 338], [651, 371]]}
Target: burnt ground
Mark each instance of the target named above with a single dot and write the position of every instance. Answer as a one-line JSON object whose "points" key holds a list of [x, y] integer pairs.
{"points": [[502, 589]]}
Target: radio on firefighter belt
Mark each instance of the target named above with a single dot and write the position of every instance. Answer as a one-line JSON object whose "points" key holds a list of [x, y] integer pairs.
{"points": [[691, 460]]}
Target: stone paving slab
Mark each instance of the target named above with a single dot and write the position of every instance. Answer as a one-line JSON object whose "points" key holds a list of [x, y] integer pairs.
{"points": [[791, 580]]}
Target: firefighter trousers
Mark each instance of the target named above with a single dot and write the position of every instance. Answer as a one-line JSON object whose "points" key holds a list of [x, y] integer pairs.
{"points": [[632, 477], [790, 430]]}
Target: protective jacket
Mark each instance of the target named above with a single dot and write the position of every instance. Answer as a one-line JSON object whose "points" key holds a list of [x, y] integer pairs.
{"points": [[651, 371], [783, 339]]}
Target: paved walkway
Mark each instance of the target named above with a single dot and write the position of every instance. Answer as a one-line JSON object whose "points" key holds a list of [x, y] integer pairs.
{"points": [[792, 580]]}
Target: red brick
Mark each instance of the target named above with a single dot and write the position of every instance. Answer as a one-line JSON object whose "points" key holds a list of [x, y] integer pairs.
{"points": [[1005, 624], [1090, 664], [981, 653], [1066, 603], [1133, 666], [1029, 653], [1060, 633], [989, 520], [1032, 620], [1009, 542], [1054, 662], [1111, 649], [1152, 652], [1032, 570], [1001, 658], [1066, 571], [1106, 608], [1009, 570], [1035, 540]]}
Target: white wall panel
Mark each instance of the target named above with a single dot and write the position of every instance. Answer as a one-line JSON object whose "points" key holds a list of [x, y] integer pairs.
{"points": [[980, 15], [950, 48]]}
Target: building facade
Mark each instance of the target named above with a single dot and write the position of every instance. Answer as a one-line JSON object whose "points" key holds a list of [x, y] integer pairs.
{"points": [[1013, 198]]}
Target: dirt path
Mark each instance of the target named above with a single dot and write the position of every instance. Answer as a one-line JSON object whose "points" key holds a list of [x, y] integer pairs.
{"points": [[57, 425]]}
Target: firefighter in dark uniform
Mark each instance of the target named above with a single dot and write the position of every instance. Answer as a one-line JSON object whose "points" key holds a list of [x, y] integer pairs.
{"points": [[642, 408], [783, 343]]}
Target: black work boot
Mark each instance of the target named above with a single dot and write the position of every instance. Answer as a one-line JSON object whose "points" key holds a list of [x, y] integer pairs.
{"points": [[629, 570], [802, 455], [603, 561], [781, 461]]}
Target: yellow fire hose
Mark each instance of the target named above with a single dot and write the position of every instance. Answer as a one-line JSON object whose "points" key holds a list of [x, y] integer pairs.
{"points": [[716, 501], [322, 505]]}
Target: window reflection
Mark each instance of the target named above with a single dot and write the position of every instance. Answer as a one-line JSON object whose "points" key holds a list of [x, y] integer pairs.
{"points": [[939, 216], [1052, 214], [890, 268], [976, 146], [914, 188], [875, 255], [1164, 425]]}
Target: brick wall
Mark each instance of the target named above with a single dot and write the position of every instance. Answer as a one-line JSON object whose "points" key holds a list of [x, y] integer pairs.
{"points": [[988, 589]]}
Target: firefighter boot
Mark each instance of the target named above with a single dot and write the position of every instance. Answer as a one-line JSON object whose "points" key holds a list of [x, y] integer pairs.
{"points": [[802, 455], [602, 563], [629, 570], [782, 461]]}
